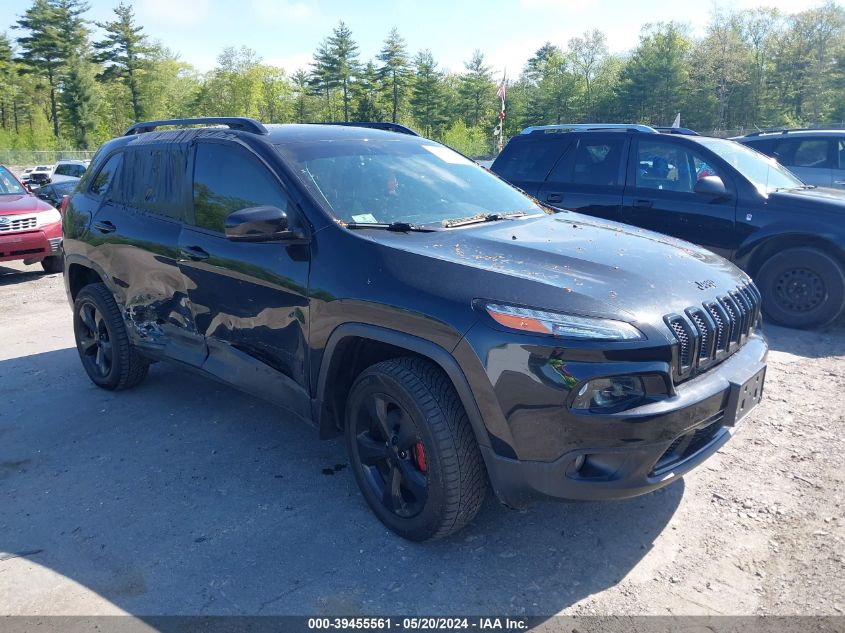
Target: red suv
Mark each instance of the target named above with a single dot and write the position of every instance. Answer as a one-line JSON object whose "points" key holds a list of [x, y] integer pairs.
{"points": [[30, 229]]}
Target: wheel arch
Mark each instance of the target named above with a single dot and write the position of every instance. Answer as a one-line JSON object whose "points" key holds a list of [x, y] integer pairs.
{"points": [[352, 347], [79, 275], [752, 256]]}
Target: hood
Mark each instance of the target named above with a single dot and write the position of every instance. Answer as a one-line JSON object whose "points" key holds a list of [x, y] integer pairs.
{"points": [[821, 199], [21, 203], [572, 263]]}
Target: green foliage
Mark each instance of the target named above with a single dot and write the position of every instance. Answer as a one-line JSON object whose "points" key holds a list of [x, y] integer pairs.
{"points": [[753, 67], [472, 141]]}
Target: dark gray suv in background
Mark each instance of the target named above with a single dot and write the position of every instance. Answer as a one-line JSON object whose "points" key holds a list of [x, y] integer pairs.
{"points": [[816, 156]]}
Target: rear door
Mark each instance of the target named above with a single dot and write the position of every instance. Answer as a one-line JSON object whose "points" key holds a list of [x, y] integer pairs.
{"points": [[659, 196], [140, 229], [249, 299], [590, 178], [526, 160]]}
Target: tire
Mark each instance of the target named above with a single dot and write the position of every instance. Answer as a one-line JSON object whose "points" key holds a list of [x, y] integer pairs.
{"points": [[52, 264], [802, 288], [405, 426], [102, 341]]}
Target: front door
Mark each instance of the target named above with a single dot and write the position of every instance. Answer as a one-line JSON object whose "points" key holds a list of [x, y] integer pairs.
{"points": [[249, 299], [659, 195]]}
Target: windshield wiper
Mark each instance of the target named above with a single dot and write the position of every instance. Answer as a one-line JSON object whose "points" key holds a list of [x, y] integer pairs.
{"points": [[401, 227], [482, 217]]}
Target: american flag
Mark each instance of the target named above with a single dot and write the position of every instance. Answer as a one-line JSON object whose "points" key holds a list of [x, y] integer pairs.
{"points": [[501, 93]]}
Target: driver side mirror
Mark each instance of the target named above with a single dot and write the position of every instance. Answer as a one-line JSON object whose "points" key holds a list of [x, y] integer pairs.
{"points": [[710, 186], [259, 224]]}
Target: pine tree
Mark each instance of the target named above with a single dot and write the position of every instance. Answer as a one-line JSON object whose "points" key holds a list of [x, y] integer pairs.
{"points": [[366, 91], [477, 91], [42, 50], [301, 88], [79, 98], [124, 50], [343, 63], [395, 69], [427, 98]]}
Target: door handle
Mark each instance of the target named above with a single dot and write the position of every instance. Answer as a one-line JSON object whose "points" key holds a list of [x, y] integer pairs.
{"points": [[194, 253], [104, 226], [554, 197], [839, 182], [645, 204]]}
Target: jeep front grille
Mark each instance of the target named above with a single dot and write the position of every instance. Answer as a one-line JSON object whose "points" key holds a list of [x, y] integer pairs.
{"points": [[715, 330]]}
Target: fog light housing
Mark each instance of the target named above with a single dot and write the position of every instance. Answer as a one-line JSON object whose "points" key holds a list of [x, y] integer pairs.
{"points": [[610, 394]]}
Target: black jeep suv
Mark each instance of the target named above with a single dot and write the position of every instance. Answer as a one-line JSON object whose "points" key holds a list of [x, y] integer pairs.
{"points": [[717, 193], [380, 285]]}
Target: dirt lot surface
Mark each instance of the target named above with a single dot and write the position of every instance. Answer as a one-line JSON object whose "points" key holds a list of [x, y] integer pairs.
{"points": [[185, 497]]}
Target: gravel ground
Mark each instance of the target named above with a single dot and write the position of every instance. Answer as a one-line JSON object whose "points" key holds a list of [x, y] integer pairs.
{"points": [[186, 497]]}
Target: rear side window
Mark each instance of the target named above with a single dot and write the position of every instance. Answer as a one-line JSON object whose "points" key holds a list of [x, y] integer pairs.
{"points": [[840, 153], [154, 180], [227, 179], [595, 162], [528, 161], [101, 183]]}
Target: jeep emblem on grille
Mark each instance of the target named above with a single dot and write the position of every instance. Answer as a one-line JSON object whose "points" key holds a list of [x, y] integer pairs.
{"points": [[704, 285]]}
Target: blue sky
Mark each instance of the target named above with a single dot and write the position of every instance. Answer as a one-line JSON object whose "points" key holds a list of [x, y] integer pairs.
{"points": [[286, 32]]}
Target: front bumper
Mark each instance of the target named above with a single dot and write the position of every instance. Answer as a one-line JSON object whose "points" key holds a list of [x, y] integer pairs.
{"points": [[639, 450], [31, 245]]}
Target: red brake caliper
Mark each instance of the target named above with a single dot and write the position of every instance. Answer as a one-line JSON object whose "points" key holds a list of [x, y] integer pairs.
{"points": [[419, 455]]}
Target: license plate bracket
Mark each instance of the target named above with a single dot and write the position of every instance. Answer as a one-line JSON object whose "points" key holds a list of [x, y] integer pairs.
{"points": [[744, 397]]}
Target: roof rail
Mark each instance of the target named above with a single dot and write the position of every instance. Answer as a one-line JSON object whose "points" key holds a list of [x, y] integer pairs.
{"points": [[244, 124], [376, 125], [563, 127], [685, 131], [787, 130]]}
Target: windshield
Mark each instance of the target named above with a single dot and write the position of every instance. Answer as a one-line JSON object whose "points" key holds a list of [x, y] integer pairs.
{"points": [[400, 180], [9, 184], [764, 172]]}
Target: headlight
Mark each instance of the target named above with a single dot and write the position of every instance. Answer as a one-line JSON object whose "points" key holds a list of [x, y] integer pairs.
{"points": [[563, 325], [48, 217], [621, 392]]}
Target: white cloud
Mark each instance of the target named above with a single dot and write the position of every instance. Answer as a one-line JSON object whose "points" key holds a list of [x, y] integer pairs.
{"points": [[281, 9], [291, 63]]}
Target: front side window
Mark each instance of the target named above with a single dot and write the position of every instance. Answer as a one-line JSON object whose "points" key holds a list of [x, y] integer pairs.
{"points": [[670, 167], [765, 173], [228, 179], [104, 178], [9, 184], [379, 180]]}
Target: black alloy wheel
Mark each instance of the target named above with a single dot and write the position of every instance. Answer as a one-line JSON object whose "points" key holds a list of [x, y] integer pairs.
{"points": [[107, 355], [392, 456], [94, 340], [412, 449]]}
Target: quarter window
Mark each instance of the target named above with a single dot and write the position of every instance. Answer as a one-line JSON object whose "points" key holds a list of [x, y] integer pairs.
{"points": [[529, 161], [228, 179]]}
